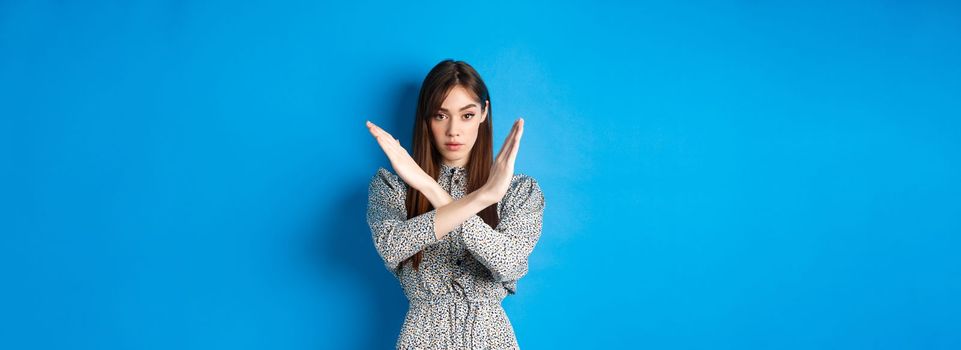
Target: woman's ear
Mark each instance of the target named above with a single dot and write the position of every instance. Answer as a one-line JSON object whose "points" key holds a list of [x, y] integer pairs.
{"points": [[487, 109]]}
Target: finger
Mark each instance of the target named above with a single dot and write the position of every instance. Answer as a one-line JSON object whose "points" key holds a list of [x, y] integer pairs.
{"points": [[387, 134], [510, 140], [385, 141], [517, 141], [390, 143], [384, 146], [512, 143], [378, 131], [507, 141]]}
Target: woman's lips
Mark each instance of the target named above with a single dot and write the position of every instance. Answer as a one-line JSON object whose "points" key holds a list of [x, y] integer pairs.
{"points": [[453, 146]]}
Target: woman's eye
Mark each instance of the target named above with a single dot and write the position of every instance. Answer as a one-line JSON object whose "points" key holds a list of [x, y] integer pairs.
{"points": [[469, 115], [439, 116]]}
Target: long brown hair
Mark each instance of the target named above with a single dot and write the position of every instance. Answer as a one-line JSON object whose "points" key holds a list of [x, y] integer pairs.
{"points": [[439, 82]]}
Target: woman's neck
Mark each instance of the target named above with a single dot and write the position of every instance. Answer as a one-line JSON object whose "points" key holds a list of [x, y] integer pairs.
{"points": [[455, 164]]}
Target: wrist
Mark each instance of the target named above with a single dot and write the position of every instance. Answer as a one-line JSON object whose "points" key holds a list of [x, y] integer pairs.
{"points": [[436, 194], [485, 196], [425, 184]]}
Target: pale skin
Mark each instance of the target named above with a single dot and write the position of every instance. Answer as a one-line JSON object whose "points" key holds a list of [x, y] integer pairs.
{"points": [[456, 122]]}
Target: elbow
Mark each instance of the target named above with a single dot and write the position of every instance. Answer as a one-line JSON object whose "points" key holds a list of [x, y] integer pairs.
{"points": [[509, 272], [392, 267], [387, 254], [391, 261]]}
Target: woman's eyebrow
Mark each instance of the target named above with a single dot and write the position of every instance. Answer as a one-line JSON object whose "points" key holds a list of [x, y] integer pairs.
{"points": [[462, 108]]}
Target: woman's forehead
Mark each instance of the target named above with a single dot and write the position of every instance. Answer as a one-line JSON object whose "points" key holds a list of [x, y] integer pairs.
{"points": [[458, 98]]}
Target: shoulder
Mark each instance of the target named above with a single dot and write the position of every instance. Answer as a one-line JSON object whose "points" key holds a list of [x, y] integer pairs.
{"points": [[524, 182], [524, 191], [385, 180]]}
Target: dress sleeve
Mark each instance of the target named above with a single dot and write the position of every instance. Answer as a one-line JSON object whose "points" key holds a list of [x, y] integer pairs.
{"points": [[395, 237], [504, 250]]}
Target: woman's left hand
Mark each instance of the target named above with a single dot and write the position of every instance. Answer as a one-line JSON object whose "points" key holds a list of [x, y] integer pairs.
{"points": [[400, 160]]}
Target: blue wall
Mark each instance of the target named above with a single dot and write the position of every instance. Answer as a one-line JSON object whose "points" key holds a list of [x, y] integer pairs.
{"points": [[718, 175]]}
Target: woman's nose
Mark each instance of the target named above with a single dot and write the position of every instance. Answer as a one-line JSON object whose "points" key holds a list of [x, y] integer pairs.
{"points": [[453, 129]]}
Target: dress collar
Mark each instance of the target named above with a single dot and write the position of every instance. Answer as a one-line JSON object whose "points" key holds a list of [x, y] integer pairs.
{"points": [[447, 169]]}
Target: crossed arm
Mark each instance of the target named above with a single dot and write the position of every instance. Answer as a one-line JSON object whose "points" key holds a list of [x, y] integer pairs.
{"points": [[502, 249], [450, 213]]}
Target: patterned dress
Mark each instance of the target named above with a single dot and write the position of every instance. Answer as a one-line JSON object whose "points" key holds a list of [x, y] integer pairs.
{"points": [[455, 297]]}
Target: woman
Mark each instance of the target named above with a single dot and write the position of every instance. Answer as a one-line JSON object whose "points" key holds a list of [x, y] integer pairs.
{"points": [[454, 225]]}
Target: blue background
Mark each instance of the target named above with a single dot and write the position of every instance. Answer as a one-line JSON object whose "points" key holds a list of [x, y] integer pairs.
{"points": [[718, 175]]}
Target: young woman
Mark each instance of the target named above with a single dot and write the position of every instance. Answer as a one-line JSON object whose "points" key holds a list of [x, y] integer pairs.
{"points": [[455, 225]]}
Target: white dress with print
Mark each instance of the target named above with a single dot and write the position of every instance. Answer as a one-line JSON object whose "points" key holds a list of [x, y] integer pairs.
{"points": [[455, 297]]}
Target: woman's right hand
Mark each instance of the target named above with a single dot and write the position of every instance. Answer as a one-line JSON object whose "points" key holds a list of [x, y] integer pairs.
{"points": [[405, 166], [502, 171]]}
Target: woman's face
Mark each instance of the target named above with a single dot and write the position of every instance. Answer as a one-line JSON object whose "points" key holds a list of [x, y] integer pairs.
{"points": [[455, 125]]}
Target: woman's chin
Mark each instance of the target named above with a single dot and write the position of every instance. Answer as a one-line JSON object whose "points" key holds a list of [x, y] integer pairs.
{"points": [[454, 157]]}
